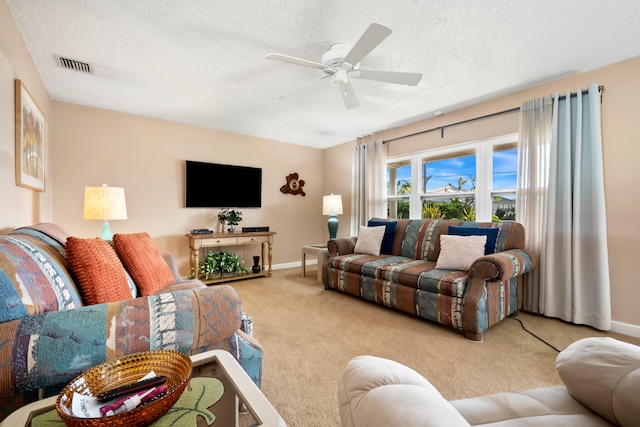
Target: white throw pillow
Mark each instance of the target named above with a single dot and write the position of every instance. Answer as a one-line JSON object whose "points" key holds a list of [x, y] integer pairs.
{"points": [[459, 252], [370, 240]]}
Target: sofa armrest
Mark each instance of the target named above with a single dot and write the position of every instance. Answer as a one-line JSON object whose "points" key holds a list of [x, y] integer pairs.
{"points": [[488, 286], [503, 266], [171, 260], [48, 350], [377, 392], [341, 246]]}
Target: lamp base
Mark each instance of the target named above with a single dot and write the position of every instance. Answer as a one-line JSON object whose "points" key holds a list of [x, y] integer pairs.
{"points": [[333, 226], [106, 231]]}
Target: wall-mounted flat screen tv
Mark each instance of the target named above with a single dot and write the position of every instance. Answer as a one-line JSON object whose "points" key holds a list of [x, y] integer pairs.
{"points": [[213, 185]]}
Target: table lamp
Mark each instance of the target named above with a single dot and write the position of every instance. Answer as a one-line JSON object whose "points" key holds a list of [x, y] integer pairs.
{"points": [[104, 203], [332, 206]]}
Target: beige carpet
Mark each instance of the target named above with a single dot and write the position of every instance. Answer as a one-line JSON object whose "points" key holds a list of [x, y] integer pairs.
{"points": [[309, 334]]}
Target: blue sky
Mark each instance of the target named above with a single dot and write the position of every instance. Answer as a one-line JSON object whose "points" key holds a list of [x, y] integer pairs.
{"points": [[448, 171]]}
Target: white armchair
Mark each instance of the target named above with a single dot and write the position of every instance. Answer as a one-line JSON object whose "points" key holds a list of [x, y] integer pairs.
{"points": [[601, 375]]}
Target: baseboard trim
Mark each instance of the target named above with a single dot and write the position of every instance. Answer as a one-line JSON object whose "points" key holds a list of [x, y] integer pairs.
{"points": [[626, 329], [294, 264], [287, 265]]}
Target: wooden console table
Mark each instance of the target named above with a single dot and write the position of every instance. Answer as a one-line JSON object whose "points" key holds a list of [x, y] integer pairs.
{"points": [[217, 240]]}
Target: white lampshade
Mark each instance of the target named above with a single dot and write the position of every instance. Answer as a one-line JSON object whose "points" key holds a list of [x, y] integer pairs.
{"points": [[332, 204], [104, 203]]}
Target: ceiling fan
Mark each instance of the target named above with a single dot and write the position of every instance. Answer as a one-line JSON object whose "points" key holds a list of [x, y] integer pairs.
{"points": [[343, 63]]}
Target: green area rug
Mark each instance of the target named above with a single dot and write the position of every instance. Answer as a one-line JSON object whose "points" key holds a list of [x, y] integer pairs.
{"points": [[196, 399]]}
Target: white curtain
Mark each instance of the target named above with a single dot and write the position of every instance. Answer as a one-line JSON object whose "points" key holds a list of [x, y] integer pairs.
{"points": [[577, 262], [533, 183], [566, 222], [368, 198]]}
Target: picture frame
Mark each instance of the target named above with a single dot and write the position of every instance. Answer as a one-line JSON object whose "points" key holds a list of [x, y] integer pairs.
{"points": [[30, 140]]}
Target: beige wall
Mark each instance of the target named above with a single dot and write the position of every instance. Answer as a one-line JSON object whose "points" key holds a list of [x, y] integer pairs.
{"points": [[337, 180], [146, 157], [621, 148], [19, 206]]}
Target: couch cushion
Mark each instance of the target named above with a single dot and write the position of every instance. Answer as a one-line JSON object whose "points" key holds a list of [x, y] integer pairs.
{"points": [[389, 233], [49, 351], [491, 233], [604, 375], [410, 272], [369, 240], [364, 264], [420, 238], [46, 232], [34, 275], [98, 271], [544, 407], [423, 275], [459, 252], [144, 262]]}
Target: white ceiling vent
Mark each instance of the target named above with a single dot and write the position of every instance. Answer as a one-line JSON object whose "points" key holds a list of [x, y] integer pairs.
{"points": [[72, 64]]}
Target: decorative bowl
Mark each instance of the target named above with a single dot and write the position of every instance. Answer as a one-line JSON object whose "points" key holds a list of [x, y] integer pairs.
{"points": [[118, 372]]}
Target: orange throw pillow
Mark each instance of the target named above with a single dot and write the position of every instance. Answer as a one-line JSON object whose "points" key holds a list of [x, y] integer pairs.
{"points": [[144, 262], [97, 270]]}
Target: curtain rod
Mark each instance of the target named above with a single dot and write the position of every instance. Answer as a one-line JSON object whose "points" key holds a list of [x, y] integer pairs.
{"points": [[442, 128]]}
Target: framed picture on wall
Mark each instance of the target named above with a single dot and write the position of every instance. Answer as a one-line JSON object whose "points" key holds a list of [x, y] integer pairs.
{"points": [[30, 141]]}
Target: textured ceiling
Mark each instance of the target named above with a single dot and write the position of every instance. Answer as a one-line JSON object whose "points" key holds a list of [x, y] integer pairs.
{"points": [[201, 62]]}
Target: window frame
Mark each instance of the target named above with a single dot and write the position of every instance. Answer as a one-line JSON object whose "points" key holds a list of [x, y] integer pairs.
{"points": [[483, 194]]}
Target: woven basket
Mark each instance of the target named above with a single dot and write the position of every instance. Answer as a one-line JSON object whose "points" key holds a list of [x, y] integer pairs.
{"points": [[114, 373]]}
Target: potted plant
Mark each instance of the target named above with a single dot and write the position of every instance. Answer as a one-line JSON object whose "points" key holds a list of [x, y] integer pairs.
{"points": [[210, 267], [231, 216], [232, 264], [216, 264]]}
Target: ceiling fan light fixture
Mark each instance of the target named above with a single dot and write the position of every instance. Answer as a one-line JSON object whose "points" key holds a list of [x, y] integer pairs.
{"points": [[334, 56], [338, 60]]}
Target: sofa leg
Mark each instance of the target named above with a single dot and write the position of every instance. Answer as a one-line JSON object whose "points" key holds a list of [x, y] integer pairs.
{"points": [[475, 336]]}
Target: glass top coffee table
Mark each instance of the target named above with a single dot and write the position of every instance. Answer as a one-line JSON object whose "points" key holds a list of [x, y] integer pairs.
{"points": [[239, 391]]}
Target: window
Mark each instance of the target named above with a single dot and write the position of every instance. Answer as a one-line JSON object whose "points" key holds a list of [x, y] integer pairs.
{"points": [[473, 182], [398, 173], [450, 183], [503, 181]]}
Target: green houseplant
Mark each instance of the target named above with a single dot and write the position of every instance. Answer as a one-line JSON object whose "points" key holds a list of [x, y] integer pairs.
{"points": [[215, 264], [231, 216]]}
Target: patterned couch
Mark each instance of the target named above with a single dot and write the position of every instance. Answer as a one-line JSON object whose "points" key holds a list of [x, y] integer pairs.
{"points": [[48, 335], [405, 277]]}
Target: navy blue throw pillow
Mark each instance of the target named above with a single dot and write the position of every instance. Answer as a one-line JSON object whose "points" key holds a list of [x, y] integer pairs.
{"points": [[389, 232], [491, 233]]}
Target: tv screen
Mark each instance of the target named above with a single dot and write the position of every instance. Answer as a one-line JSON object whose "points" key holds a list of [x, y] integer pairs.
{"points": [[213, 185]]}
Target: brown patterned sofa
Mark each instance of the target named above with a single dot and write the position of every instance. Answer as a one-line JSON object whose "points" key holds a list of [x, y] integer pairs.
{"points": [[404, 275], [49, 333]]}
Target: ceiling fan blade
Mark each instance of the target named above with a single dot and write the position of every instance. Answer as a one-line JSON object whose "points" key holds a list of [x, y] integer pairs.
{"points": [[372, 37], [348, 94], [410, 79], [295, 90], [294, 60]]}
